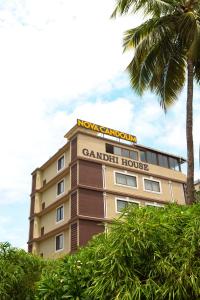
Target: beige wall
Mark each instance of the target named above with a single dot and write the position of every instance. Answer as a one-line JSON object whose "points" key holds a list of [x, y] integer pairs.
{"points": [[47, 247], [111, 204], [98, 145], [38, 179], [178, 193], [37, 207], [50, 195], [197, 186], [166, 193], [91, 143], [51, 171], [36, 228], [48, 221]]}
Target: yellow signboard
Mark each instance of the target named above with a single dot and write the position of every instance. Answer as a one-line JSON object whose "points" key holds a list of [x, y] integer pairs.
{"points": [[108, 131]]}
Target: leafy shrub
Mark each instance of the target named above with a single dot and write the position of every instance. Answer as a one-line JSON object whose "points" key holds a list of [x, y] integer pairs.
{"points": [[149, 253], [18, 273]]}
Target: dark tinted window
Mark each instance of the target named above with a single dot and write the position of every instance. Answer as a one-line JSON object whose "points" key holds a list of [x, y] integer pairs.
{"points": [[122, 151], [60, 187], [61, 162], [109, 148], [134, 155], [174, 164], [59, 242], [163, 160], [42, 230], [142, 156], [59, 214], [125, 153], [151, 158]]}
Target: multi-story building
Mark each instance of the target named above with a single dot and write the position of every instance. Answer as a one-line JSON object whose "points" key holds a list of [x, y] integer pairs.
{"points": [[87, 183]]}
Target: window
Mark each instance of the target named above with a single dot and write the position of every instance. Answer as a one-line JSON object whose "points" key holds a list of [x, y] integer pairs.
{"points": [[143, 156], [154, 204], [117, 151], [125, 153], [109, 148], [163, 160], [60, 163], [152, 158], [124, 179], [133, 155], [152, 185], [43, 205], [121, 152], [121, 204], [174, 164], [42, 230], [160, 159], [59, 242], [59, 213], [60, 187]]}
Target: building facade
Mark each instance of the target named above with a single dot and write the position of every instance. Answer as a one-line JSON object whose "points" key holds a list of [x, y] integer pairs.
{"points": [[90, 180], [197, 185]]}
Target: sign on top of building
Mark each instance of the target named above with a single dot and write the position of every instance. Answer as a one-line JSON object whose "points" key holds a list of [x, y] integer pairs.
{"points": [[106, 130]]}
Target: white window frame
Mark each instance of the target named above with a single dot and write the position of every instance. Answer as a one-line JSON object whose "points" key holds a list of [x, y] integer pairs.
{"points": [[63, 214], [156, 204], [58, 195], [152, 179], [63, 155], [126, 199], [61, 249], [129, 174]]}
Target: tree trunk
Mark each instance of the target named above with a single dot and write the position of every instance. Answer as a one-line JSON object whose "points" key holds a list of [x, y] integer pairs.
{"points": [[189, 136]]}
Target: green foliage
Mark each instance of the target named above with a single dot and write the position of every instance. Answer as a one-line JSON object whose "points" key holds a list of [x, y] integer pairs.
{"points": [[18, 273], [162, 45], [149, 253], [71, 276]]}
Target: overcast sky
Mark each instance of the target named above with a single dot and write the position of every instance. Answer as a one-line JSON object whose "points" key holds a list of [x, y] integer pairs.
{"points": [[61, 60]]}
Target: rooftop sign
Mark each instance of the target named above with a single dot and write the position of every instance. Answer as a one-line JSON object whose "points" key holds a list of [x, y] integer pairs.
{"points": [[106, 130]]}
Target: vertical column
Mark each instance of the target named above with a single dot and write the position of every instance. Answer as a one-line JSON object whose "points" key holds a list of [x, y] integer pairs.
{"points": [[35, 206], [74, 203], [91, 200], [74, 149], [74, 237]]}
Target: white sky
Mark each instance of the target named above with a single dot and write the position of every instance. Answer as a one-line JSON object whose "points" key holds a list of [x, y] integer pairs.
{"points": [[59, 61]]}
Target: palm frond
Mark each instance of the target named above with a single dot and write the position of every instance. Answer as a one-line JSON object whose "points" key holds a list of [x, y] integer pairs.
{"points": [[194, 50], [153, 7], [155, 26], [197, 71], [187, 27], [144, 63], [122, 7], [158, 65], [172, 80]]}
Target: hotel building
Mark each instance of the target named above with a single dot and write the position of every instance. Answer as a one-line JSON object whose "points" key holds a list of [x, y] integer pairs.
{"points": [[87, 183]]}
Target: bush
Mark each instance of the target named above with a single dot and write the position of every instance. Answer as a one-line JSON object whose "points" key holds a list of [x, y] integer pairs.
{"points": [[149, 253], [19, 272]]}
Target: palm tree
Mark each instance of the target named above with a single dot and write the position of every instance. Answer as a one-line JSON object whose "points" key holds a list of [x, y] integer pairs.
{"points": [[166, 55]]}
